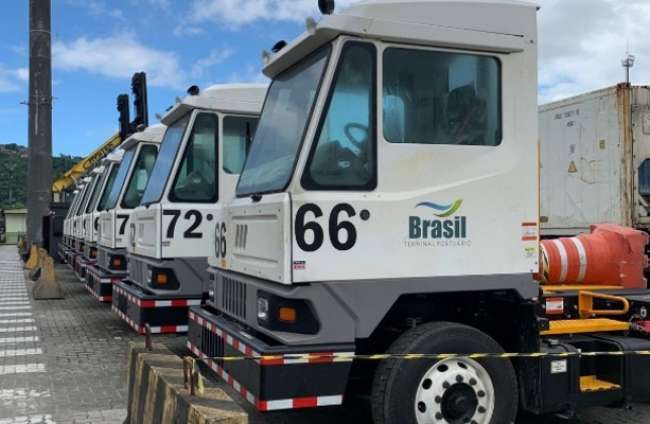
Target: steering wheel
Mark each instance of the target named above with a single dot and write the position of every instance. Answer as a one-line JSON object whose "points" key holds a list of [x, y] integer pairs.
{"points": [[355, 126]]}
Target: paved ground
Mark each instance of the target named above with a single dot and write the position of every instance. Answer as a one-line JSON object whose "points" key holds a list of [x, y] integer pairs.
{"points": [[64, 361]]}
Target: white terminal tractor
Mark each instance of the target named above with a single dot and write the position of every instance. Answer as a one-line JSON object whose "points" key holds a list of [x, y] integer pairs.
{"points": [[84, 225], [74, 222], [110, 166], [67, 251], [391, 187], [197, 169], [132, 175]]}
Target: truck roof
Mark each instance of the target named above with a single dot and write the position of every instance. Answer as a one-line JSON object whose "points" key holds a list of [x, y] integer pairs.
{"points": [[233, 98], [152, 134], [504, 26]]}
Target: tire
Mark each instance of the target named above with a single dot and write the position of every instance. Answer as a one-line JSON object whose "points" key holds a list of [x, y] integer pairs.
{"points": [[397, 382]]}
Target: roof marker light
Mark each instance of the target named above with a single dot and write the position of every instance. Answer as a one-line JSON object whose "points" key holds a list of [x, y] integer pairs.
{"points": [[326, 6], [310, 25], [278, 46], [266, 56]]}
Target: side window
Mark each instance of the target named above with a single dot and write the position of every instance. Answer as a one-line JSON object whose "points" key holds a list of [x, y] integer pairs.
{"points": [[344, 154], [435, 97], [140, 176], [196, 180], [237, 134]]}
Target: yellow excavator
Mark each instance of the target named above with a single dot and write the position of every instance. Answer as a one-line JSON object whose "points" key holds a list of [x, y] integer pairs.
{"points": [[139, 88]]}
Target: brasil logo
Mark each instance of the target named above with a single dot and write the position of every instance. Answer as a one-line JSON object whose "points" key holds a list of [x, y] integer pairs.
{"points": [[444, 226]]}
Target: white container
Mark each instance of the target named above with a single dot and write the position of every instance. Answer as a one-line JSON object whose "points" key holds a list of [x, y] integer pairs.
{"points": [[595, 160]]}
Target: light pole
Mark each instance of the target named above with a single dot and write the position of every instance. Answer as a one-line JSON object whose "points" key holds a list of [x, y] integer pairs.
{"points": [[39, 161]]}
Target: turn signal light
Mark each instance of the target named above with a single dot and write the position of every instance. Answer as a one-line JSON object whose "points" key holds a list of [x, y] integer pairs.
{"points": [[161, 278], [287, 314]]}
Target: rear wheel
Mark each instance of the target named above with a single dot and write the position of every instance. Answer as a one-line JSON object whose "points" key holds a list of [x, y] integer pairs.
{"points": [[448, 391]]}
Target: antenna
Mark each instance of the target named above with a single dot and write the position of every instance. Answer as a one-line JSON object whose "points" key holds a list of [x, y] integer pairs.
{"points": [[628, 63]]}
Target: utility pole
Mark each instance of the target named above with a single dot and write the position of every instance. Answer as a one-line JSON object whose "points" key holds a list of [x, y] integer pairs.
{"points": [[39, 161]]}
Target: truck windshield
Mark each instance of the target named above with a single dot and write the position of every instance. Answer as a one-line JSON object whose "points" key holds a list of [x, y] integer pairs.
{"points": [[238, 131], [109, 186], [139, 176], [282, 126], [165, 161], [84, 200], [120, 178], [98, 190]]}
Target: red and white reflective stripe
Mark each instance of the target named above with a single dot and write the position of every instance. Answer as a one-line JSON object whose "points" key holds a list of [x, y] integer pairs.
{"points": [[272, 360], [164, 329], [266, 405], [240, 346], [582, 253], [564, 260], [98, 297], [149, 304]]}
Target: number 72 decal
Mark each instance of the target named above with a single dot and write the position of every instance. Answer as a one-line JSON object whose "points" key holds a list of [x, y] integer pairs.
{"points": [[191, 215]]}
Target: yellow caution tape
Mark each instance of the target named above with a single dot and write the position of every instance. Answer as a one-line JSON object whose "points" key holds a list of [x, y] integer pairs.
{"points": [[338, 357]]}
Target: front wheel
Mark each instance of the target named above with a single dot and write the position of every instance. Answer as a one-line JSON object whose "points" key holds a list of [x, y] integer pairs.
{"points": [[447, 391]]}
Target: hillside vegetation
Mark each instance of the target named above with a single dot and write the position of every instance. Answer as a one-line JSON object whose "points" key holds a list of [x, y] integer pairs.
{"points": [[13, 174]]}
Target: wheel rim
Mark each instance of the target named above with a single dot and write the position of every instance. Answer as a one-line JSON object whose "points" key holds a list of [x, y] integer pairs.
{"points": [[455, 391]]}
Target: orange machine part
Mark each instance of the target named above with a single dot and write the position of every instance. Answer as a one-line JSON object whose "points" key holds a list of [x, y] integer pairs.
{"points": [[609, 255]]}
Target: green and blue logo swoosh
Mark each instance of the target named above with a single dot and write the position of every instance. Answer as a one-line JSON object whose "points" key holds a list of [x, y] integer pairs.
{"points": [[442, 211]]}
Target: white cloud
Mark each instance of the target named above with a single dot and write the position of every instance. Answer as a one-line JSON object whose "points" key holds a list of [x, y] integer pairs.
{"points": [[97, 8], [215, 57], [236, 13], [12, 80], [119, 57], [582, 43]]}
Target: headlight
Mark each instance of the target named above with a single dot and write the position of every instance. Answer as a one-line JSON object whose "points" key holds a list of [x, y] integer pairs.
{"points": [[289, 315], [262, 309]]}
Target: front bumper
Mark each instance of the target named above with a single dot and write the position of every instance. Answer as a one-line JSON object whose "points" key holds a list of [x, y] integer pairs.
{"points": [[164, 314], [100, 283], [267, 378]]}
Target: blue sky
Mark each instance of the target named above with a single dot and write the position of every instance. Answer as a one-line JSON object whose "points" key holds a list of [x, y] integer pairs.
{"points": [[99, 44]]}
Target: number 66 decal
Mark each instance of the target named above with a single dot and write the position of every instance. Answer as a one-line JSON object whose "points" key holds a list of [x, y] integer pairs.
{"points": [[342, 234], [220, 240]]}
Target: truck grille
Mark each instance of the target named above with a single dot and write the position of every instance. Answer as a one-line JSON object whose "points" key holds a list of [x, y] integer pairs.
{"points": [[233, 297], [212, 345]]}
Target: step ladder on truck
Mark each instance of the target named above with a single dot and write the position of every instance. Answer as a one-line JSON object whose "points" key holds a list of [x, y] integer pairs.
{"points": [[140, 152], [393, 214], [200, 159]]}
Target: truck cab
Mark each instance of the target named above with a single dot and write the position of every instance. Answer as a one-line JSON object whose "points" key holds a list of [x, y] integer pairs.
{"points": [[140, 152], [66, 241], [106, 177], [74, 223], [200, 158], [79, 265], [392, 178]]}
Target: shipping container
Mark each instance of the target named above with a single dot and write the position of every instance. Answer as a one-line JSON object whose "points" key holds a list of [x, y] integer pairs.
{"points": [[595, 160]]}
